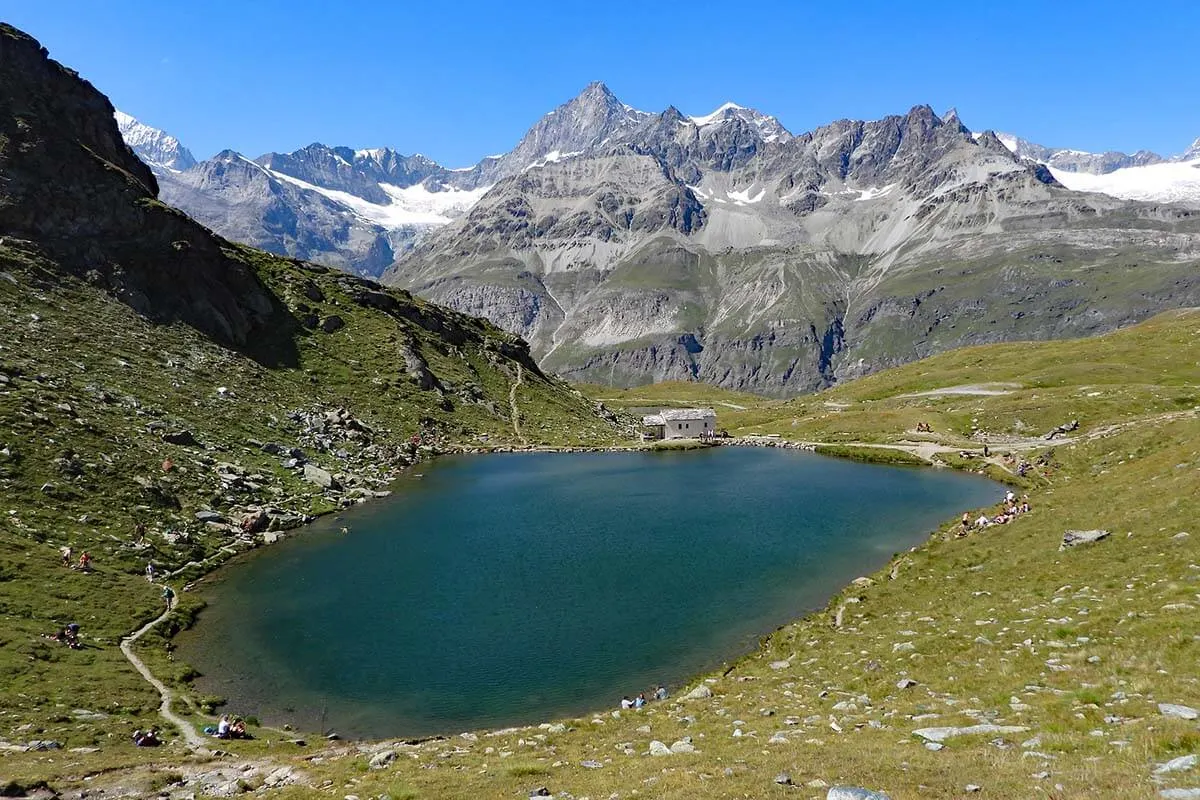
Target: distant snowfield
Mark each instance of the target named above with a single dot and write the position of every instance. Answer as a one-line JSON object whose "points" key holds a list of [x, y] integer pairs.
{"points": [[1167, 183], [412, 206]]}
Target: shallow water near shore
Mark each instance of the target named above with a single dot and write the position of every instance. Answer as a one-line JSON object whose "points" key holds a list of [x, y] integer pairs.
{"points": [[508, 589]]}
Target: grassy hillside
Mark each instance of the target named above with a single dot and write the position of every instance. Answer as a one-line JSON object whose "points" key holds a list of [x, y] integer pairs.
{"points": [[1069, 652], [88, 390]]}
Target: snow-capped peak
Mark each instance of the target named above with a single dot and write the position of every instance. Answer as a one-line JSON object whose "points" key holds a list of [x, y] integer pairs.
{"points": [[718, 115], [156, 148], [1191, 154], [768, 127]]}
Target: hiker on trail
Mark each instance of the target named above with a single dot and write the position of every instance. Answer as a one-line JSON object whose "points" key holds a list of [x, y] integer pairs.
{"points": [[65, 550], [150, 571], [85, 561], [986, 452], [139, 533], [168, 594]]}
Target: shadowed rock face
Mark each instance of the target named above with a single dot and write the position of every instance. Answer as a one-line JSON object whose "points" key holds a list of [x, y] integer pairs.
{"points": [[70, 185]]}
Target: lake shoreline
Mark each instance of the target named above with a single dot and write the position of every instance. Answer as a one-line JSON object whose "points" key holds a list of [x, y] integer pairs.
{"points": [[752, 640]]}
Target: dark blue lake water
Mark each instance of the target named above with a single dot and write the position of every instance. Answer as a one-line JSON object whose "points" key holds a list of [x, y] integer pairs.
{"points": [[506, 589]]}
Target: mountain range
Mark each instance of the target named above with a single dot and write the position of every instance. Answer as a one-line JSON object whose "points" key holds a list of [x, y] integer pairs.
{"points": [[629, 246]]}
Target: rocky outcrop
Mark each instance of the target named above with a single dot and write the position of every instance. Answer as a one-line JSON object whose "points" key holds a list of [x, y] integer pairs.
{"points": [[87, 202]]}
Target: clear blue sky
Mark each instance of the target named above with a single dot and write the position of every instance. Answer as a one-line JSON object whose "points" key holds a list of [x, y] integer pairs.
{"points": [[457, 79]]}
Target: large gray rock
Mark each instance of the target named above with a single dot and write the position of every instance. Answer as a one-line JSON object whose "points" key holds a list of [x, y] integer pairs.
{"points": [[943, 733], [853, 793], [321, 477], [1075, 538], [1176, 710], [1176, 765]]}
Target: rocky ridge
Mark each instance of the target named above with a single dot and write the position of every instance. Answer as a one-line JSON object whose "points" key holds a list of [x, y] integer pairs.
{"points": [[721, 250]]}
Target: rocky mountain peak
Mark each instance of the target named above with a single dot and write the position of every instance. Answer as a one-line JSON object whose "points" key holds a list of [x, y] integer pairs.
{"points": [[768, 127], [589, 119], [1191, 154], [153, 146]]}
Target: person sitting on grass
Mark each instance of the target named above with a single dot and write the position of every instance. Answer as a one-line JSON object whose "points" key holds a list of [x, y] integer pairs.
{"points": [[223, 727], [147, 738], [237, 730]]}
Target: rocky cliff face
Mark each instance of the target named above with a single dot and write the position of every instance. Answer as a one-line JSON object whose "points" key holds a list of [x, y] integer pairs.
{"points": [[723, 249], [88, 202], [245, 202]]}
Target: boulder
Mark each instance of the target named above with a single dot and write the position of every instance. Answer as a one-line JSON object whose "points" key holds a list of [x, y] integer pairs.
{"points": [[1073, 538], [854, 793], [701, 692], [1176, 765], [657, 748], [208, 515], [1174, 710], [382, 759], [184, 438], [332, 323], [683, 746], [320, 477], [942, 734], [255, 521]]}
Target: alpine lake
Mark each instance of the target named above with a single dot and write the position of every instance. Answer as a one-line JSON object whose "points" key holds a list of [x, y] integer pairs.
{"points": [[517, 588]]}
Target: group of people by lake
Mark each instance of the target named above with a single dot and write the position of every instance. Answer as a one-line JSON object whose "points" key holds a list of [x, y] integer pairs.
{"points": [[659, 693], [229, 728], [1009, 510]]}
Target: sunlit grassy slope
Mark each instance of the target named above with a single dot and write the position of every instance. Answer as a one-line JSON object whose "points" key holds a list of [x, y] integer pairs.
{"points": [[1068, 651]]}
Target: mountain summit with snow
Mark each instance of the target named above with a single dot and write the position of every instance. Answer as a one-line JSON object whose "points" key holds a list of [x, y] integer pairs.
{"points": [[156, 148], [770, 127]]}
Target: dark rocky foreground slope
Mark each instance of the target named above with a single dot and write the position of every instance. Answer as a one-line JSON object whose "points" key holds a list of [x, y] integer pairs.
{"points": [[154, 373]]}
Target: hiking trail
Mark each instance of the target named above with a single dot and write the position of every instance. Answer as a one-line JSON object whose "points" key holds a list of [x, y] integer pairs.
{"points": [[193, 740], [512, 402]]}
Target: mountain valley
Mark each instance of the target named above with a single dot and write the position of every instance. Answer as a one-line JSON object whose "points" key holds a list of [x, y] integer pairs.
{"points": [[629, 247]]}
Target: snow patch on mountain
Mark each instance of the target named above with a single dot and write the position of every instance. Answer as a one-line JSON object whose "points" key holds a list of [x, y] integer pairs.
{"points": [[1177, 182], [414, 206], [770, 128], [716, 116]]}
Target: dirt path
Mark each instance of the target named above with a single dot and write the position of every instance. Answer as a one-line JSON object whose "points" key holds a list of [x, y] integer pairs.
{"points": [[927, 450], [512, 402], [194, 740]]}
